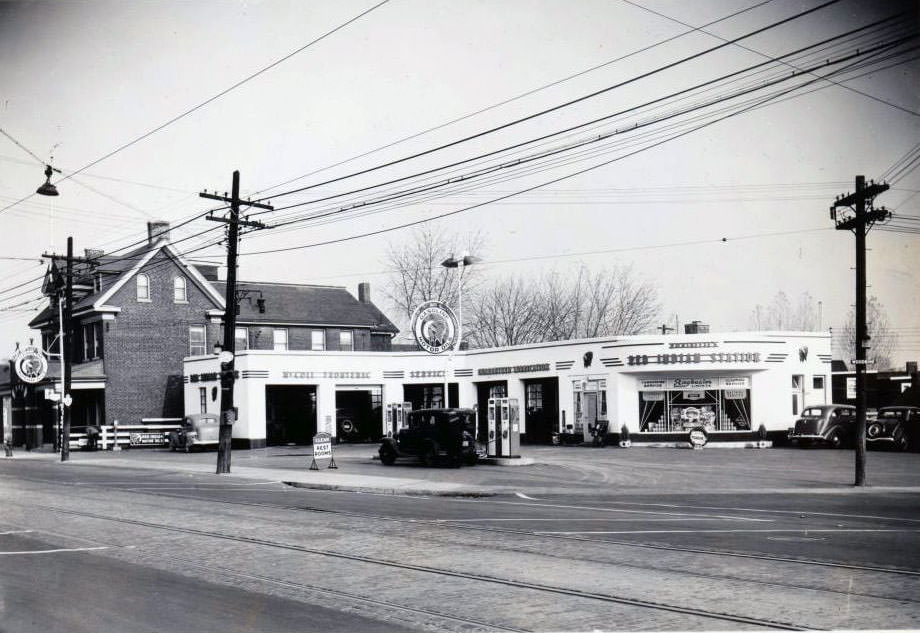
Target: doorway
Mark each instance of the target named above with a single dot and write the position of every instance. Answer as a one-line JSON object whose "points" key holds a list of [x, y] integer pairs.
{"points": [[290, 414], [541, 410]]}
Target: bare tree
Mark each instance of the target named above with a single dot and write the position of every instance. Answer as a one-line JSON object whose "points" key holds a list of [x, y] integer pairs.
{"points": [[602, 303], [882, 340], [781, 314], [416, 274], [506, 312]]}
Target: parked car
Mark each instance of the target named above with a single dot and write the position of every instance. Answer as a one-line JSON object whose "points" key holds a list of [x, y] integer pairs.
{"points": [[197, 431], [896, 427], [434, 435], [832, 425]]}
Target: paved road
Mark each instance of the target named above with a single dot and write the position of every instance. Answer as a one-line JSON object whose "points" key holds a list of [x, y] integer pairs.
{"points": [[576, 553]]}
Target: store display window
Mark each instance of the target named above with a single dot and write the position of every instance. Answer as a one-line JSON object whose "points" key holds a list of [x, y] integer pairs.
{"points": [[714, 404]]}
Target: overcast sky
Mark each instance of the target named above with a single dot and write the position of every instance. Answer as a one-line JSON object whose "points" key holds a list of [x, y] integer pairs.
{"points": [[83, 79]]}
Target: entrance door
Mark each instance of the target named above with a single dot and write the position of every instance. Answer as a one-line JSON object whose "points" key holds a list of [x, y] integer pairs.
{"points": [[290, 414], [589, 411], [541, 410]]}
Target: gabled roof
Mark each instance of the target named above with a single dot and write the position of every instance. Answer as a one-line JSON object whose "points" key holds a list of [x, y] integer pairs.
{"points": [[308, 305], [117, 270]]}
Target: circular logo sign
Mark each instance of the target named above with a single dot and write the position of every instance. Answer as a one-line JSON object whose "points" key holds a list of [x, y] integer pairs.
{"points": [[435, 327], [31, 366], [698, 438]]}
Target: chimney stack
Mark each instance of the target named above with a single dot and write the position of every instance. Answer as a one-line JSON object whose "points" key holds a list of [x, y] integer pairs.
{"points": [[158, 230], [364, 292]]}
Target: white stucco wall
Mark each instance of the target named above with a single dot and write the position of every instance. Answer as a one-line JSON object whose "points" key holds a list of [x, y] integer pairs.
{"points": [[770, 359]]}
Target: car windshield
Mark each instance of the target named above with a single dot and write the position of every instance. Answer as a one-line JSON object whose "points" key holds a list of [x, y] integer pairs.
{"points": [[891, 415]]}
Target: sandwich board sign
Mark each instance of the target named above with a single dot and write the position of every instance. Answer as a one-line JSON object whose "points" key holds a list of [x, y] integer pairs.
{"points": [[322, 449]]}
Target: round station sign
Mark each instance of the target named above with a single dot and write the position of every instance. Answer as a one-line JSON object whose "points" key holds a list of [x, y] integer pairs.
{"points": [[31, 365], [435, 327]]}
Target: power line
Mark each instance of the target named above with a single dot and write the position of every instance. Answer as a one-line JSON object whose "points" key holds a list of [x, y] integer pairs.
{"points": [[518, 162], [512, 99], [701, 29], [578, 126], [567, 103], [209, 100]]}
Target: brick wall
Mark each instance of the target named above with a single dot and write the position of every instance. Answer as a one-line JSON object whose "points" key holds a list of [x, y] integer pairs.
{"points": [[145, 345]]}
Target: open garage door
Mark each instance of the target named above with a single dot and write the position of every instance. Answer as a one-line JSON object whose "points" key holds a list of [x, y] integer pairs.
{"points": [[358, 412], [290, 414]]}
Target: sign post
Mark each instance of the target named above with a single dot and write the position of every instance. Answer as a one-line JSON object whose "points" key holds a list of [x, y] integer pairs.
{"points": [[322, 449]]}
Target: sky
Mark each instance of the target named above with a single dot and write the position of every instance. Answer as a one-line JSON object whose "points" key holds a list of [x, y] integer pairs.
{"points": [[720, 206]]}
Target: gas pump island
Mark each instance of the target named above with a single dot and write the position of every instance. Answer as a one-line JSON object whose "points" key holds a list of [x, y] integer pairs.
{"points": [[504, 430]]}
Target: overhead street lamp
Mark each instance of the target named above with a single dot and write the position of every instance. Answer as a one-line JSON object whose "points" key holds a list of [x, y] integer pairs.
{"points": [[459, 263], [47, 189]]}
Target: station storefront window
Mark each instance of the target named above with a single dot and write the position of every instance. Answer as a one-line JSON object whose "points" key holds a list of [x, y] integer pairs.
{"points": [[719, 403]]}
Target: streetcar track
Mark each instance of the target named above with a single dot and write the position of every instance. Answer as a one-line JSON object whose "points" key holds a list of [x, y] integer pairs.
{"points": [[344, 594], [633, 602], [565, 537]]}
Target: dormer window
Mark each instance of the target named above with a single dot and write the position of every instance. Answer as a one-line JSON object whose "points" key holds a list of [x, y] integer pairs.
{"points": [[143, 287], [179, 290]]}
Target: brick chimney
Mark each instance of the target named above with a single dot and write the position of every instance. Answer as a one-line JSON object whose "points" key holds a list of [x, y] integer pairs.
{"points": [[364, 292], [157, 230]]}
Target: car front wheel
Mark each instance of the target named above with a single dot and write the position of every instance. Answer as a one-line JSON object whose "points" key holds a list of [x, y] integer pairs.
{"points": [[834, 440]]}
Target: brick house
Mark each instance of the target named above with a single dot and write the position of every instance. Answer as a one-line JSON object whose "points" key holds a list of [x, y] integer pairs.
{"points": [[137, 315]]}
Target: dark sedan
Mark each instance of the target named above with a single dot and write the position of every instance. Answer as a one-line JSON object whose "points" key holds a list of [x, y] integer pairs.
{"points": [[832, 425], [895, 427]]}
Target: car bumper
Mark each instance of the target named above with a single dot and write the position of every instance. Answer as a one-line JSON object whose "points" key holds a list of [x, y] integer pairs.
{"points": [[804, 436]]}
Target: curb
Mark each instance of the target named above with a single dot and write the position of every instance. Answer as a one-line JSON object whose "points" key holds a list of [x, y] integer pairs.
{"points": [[409, 492]]}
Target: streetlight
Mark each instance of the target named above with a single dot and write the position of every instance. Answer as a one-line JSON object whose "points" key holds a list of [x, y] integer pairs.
{"points": [[465, 259], [47, 189]]}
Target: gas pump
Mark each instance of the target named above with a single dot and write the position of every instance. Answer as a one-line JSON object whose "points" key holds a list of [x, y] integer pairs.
{"points": [[504, 427], [395, 418]]}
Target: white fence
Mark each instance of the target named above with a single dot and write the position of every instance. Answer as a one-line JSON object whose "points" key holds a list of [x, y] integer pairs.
{"points": [[125, 435]]}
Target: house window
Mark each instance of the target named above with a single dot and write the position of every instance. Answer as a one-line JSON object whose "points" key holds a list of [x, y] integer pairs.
{"points": [[196, 341], [97, 340], [203, 399], [179, 290], [143, 287], [280, 339], [346, 341], [817, 382], [241, 338], [318, 340], [92, 343]]}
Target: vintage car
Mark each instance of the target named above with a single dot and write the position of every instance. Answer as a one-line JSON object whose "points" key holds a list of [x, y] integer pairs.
{"points": [[832, 425], [895, 427], [435, 435], [197, 431]]}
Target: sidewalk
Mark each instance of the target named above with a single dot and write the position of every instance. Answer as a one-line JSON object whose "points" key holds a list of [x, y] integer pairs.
{"points": [[555, 470], [353, 472]]}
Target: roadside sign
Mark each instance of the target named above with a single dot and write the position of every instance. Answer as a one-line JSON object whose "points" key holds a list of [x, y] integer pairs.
{"points": [[322, 449], [698, 438]]}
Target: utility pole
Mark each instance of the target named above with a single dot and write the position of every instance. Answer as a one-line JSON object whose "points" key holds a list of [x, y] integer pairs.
{"points": [[860, 221], [227, 371], [664, 328], [65, 315]]}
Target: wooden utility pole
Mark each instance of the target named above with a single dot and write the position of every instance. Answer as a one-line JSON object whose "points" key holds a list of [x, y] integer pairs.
{"points": [[66, 334], [860, 222], [227, 371]]}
